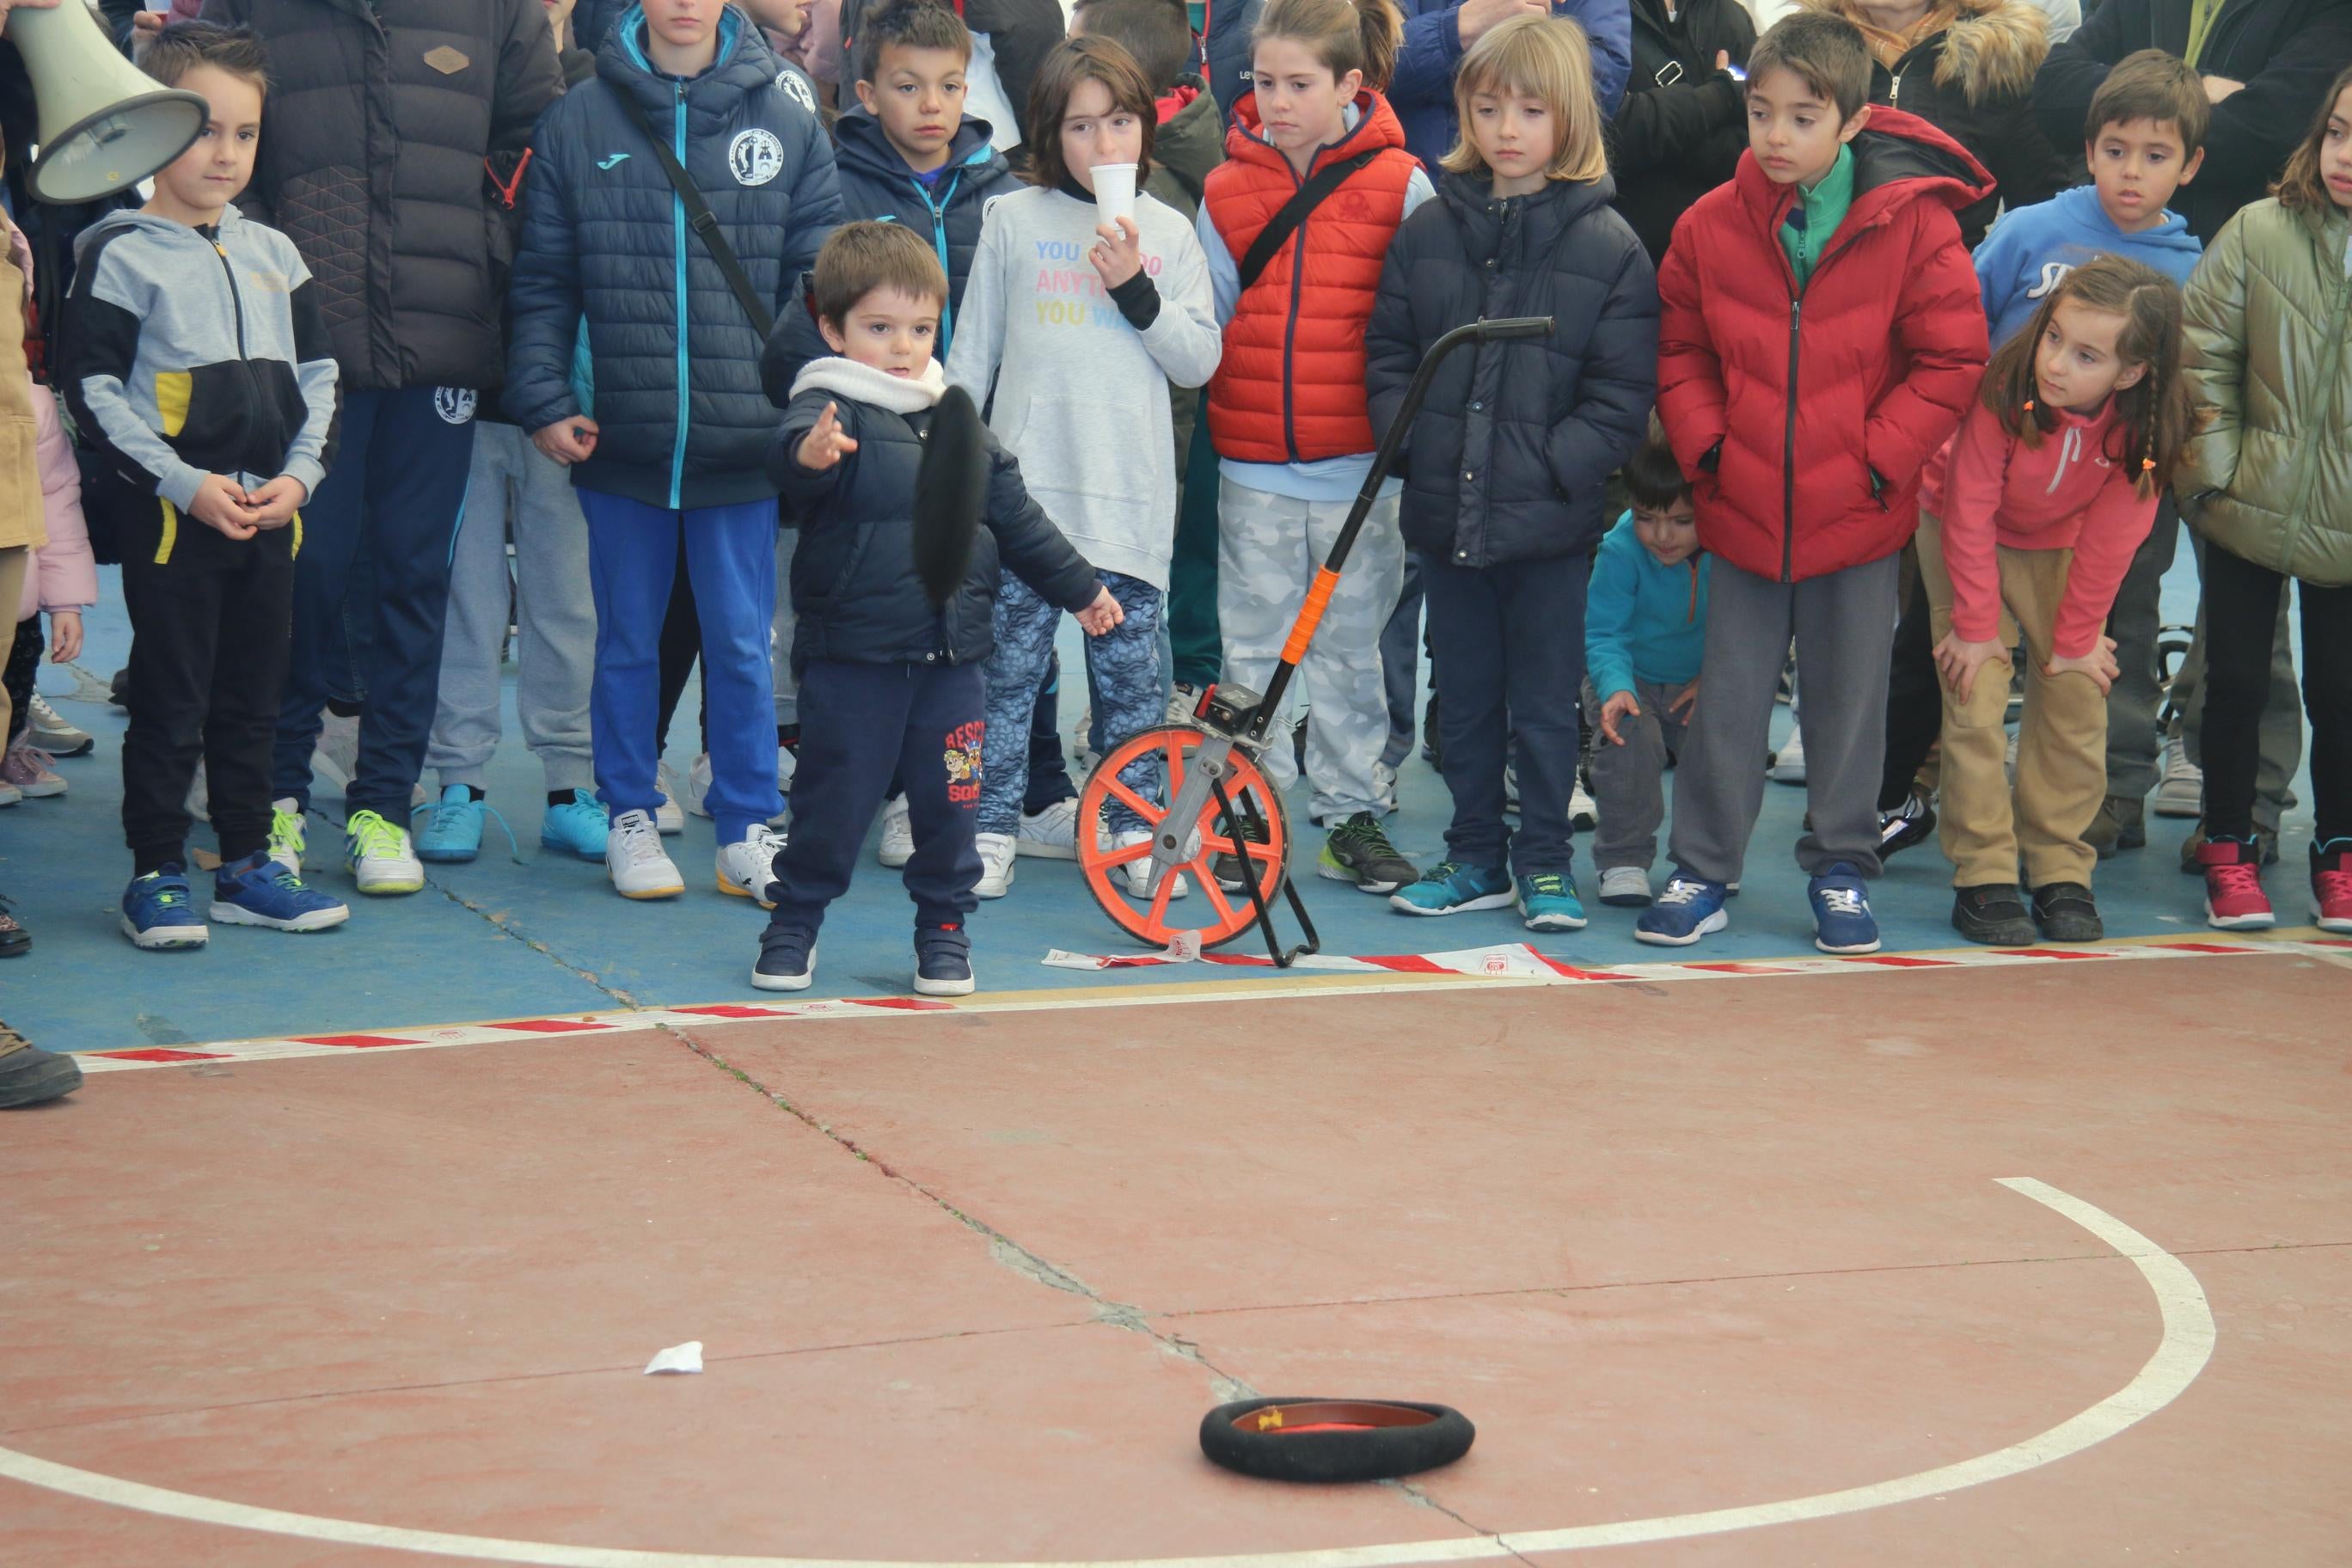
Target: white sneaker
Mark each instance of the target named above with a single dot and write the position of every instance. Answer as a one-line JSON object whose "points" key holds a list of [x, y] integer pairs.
{"points": [[1050, 834], [1181, 700], [697, 785], [381, 856], [634, 861], [898, 845], [1583, 811], [746, 870], [199, 803], [53, 734], [1626, 887], [1140, 873], [288, 833], [2180, 783], [337, 755], [1084, 755], [1384, 781], [996, 852], [1788, 762], [788, 763], [670, 817]]}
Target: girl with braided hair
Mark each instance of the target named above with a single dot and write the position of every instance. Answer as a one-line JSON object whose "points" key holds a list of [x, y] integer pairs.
{"points": [[2028, 519]]}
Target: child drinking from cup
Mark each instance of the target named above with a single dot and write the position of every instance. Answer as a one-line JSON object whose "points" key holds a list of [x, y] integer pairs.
{"points": [[1086, 299]]}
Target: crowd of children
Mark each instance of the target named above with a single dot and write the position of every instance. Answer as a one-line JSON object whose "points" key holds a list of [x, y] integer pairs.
{"points": [[1782, 406]]}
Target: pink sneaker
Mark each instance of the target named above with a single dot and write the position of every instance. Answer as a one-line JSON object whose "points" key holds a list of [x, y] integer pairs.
{"points": [[2234, 885], [2331, 884], [28, 771]]}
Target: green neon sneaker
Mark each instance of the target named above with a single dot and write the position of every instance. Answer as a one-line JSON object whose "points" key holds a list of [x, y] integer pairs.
{"points": [[288, 833], [380, 856], [1547, 901], [1358, 851]]}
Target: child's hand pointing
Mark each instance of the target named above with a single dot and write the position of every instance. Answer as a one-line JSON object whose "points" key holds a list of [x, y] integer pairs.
{"points": [[824, 444]]}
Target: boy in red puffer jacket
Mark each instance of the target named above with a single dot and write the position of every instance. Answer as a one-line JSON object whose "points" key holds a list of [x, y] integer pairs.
{"points": [[1821, 333]]}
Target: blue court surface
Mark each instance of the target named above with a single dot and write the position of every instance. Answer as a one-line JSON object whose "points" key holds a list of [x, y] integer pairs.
{"points": [[498, 939]]}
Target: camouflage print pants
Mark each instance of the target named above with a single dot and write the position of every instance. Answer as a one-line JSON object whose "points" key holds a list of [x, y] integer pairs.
{"points": [[1268, 548], [1125, 667]]}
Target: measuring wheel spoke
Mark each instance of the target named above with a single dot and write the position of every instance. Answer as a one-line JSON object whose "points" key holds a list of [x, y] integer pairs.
{"points": [[1141, 807]]}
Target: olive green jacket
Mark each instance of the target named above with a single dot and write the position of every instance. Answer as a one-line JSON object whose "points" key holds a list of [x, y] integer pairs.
{"points": [[2270, 479]]}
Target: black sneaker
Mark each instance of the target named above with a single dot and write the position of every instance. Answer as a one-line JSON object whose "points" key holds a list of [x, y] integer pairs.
{"points": [[1358, 851], [2066, 912], [1228, 867], [787, 960], [1992, 915], [942, 961], [1899, 830], [29, 1075]]}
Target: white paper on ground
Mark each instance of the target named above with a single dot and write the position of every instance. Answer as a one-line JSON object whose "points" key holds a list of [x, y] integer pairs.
{"points": [[686, 1357]]}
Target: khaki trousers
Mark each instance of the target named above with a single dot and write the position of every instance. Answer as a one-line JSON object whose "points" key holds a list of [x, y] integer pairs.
{"points": [[2062, 743]]}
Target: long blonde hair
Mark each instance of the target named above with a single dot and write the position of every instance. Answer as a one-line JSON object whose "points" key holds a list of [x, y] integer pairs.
{"points": [[1542, 58], [1345, 35]]}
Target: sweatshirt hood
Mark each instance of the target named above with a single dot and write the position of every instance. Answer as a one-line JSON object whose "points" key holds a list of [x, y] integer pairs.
{"points": [[861, 144], [231, 221], [2080, 208]]}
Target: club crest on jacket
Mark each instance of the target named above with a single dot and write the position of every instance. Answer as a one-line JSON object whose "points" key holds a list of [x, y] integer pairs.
{"points": [[755, 157]]}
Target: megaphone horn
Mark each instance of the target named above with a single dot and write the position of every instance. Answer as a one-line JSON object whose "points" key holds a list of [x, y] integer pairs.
{"points": [[105, 124]]}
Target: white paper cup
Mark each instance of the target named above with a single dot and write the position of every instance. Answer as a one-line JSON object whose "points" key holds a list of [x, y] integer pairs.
{"points": [[1114, 194]]}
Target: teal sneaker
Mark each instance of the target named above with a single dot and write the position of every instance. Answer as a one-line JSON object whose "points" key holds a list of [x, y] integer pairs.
{"points": [[452, 833], [1452, 888], [1547, 901], [579, 826]]}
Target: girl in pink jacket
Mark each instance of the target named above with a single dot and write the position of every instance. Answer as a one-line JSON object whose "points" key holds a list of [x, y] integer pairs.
{"points": [[2028, 519]]}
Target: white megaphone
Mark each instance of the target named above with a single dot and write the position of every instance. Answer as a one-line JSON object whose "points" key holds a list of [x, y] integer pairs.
{"points": [[105, 124]]}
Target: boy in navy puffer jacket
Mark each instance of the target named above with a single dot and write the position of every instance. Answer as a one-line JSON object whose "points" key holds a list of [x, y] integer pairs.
{"points": [[677, 449], [891, 682]]}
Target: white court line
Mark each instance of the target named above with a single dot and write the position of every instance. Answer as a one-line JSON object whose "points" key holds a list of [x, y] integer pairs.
{"points": [[2187, 1345]]}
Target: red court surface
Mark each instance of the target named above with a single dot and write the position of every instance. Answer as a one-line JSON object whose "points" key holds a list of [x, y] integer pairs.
{"points": [[968, 1280]]}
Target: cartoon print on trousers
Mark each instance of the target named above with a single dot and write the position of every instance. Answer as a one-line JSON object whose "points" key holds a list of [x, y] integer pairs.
{"points": [[963, 760]]}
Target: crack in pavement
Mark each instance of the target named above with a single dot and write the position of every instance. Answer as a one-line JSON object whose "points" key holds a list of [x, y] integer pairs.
{"points": [[1124, 1316]]}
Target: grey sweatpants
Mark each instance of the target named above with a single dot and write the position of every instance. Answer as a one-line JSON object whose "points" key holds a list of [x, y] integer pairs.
{"points": [[555, 611], [1843, 625], [1629, 781], [1268, 547]]}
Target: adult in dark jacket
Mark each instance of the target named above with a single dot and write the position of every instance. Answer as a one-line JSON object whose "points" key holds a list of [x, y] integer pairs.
{"points": [[383, 117], [1435, 34], [2266, 62], [1540, 422], [1971, 79], [1685, 119], [876, 182]]}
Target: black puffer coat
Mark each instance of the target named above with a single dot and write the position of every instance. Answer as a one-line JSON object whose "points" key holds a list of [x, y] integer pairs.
{"points": [[371, 161], [854, 584], [1517, 438], [2285, 51], [1974, 82], [607, 243], [1683, 123]]}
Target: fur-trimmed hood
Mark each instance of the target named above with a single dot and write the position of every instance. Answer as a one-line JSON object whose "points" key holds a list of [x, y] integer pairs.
{"points": [[1992, 48]]}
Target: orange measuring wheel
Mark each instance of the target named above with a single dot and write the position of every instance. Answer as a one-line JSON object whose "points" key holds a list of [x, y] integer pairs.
{"points": [[1208, 911]]}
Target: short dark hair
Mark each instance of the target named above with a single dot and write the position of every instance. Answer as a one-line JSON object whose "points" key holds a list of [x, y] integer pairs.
{"points": [[1076, 58], [859, 257], [1653, 481], [2152, 84], [909, 25], [183, 45], [1827, 53], [1155, 32]]}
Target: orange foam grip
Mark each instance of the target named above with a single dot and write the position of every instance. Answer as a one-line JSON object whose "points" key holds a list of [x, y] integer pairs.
{"points": [[1310, 614]]}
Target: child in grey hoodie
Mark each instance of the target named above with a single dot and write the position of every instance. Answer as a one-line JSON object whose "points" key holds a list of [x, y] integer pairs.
{"points": [[196, 359], [1079, 327]]}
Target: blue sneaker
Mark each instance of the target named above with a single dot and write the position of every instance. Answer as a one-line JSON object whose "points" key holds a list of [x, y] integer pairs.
{"points": [[579, 826], [158, 913], [1841, 918], [1451, 887], [259, 891], [1689, 908], [454, 831], [1547, 901]]}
